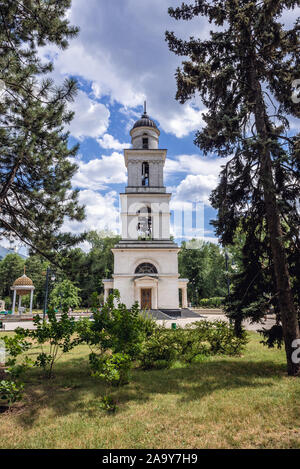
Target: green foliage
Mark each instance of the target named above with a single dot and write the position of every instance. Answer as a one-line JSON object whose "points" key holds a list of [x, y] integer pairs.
{"points": [[10, 391], [15, 345], [201, 339], [146, 324], [55, 337], [95, 301], [160, 350], [245, 73], [272, 337], [11, 267], [87, 270], [204, 265], [215, 302], [109, 404], [115, 338], [115, 327], [221, 338], [114, 369], [64, 296], [36, 166]]}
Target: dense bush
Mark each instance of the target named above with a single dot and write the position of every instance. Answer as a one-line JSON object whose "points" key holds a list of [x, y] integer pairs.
{"points": [[203, 338], [160, 349], [11, 389], [215, 302], [16, 346], [220, 337], [114, 369], [115, 338]]}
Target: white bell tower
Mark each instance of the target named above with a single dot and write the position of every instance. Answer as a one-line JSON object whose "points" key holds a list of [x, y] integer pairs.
{"points": [[146, 259]]}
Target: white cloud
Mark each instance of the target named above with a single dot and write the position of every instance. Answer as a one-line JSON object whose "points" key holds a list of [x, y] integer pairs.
{"points": [[98, 173], [202, 175], [101, 212], [195, 189], [194, 164], [109, 142], [189, 120], [130, 64], [91, 118]]}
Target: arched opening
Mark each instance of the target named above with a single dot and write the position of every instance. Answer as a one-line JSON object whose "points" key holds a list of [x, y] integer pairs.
{"points": [[145, 174], [144, 226], [145, 143], [146, 268]]}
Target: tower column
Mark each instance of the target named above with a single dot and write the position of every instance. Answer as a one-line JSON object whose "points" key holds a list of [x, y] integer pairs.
{"points": [[184, 297], [31, 301], [14, 302]]}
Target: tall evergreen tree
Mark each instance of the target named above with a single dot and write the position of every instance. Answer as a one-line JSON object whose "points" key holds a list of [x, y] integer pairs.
{"points": [[35, 164], [244, 74]]}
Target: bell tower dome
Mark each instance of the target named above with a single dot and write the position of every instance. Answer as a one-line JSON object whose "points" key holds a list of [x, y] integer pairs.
{"points": [[145, 134]]}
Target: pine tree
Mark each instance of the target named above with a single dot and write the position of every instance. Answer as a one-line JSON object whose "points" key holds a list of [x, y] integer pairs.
{"points": [[245, 75], [35, 159]]}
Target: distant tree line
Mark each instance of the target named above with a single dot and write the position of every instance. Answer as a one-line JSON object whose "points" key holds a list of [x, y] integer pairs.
{"points": [[203, 265]]}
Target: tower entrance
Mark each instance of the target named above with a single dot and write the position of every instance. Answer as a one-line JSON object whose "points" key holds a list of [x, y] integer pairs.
{"points": [[146, 298]]}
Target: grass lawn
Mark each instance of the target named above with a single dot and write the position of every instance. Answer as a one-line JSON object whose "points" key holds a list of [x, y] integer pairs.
{"points": [[224, 402]]}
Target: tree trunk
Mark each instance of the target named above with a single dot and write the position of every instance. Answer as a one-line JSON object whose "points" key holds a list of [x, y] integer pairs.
{"points": [[287, 308]]}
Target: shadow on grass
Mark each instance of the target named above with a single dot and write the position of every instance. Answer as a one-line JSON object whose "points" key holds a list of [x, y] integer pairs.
{"points": [[73, 390]]}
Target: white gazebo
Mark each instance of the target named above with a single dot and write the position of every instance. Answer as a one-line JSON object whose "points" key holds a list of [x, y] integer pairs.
{"points": [[22, 286]]}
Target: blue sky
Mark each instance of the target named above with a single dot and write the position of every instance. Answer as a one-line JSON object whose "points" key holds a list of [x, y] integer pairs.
{"points": [[120, 58]]}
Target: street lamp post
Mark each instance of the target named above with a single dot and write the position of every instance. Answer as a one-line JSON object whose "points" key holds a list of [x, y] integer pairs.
{"points": [[226, 264], [49, 273], [227, 275]]}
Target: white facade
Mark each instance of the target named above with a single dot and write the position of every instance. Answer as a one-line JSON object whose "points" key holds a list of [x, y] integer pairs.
{"points": [[146, 259]]}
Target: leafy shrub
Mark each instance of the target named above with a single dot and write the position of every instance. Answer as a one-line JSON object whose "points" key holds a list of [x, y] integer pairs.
{"points": [[57, 334], [147, 325], [14, 346], [220, 337], [194, 343], [114, 369], [10, 391], [108, 403], [159, 350], [215, 302], [117, 330]]}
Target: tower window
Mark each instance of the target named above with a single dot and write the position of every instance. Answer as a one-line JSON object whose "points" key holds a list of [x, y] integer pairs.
{"points": [[144, 226], [145, 143], [145, 174], [146, 268]]}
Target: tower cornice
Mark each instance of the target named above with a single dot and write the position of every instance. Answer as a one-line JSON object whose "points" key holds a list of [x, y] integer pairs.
{"points": [[140, 155]]}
